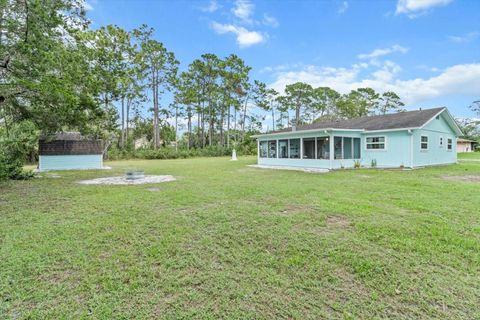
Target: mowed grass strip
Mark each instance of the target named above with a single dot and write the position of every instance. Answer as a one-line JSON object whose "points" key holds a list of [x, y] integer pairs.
{"points": [[229, 241]]}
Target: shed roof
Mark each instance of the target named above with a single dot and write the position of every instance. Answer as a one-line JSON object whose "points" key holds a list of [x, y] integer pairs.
{"points": [[65, 136]]}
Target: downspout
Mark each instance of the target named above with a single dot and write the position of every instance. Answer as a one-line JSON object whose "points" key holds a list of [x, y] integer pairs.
{"points": [[331, 147], [410, 132]]}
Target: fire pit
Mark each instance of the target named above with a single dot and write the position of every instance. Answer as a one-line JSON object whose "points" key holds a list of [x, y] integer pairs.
{"points": [[135, 174]]}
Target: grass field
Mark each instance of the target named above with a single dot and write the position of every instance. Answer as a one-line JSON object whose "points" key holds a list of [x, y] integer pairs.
{"points": [[229, 241]]}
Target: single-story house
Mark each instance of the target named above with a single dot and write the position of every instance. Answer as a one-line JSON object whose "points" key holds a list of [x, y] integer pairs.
{"points": [[465, 145], [410, 139], [70, 151]]}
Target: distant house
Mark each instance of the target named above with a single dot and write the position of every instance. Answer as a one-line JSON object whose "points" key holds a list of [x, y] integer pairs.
{"points": [[69, 151], [411, 139], [465, 145]]}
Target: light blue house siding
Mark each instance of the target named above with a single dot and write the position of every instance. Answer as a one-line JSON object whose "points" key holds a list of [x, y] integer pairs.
{"points": [[70, 162], [398, 147], [439, 150]]}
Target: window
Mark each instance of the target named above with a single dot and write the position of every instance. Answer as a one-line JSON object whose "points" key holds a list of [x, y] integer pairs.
{"points": [[283, 148], [375, 143], [424, 143], [323, 148], [440, 142], [337, 151], [263, 149], [449, 144], [356, 148], [347, 148], [308, 148], [272, 149], [295, 148]]}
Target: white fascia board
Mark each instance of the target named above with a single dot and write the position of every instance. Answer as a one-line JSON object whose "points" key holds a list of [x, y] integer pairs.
{"points": [[450, 120], [389, 130], [302, 131]]}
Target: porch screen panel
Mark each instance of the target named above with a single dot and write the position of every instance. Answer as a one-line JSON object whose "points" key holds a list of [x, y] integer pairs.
{"points": [[356, 148], [308, 148], [263, 149], [337, 142], [283, 148], [272, 149], [323, 148], [294, 148], [347, 148]]}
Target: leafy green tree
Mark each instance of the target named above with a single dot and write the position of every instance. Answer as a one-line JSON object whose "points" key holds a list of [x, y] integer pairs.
{"points": [[297, 96], [324, 102], [388, 102], [45, 73], [160, 69], [234, 90], [358, 103], [265, 98]]}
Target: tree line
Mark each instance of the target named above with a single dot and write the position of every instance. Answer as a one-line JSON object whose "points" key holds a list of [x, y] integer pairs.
{"points": [[58, 74]]}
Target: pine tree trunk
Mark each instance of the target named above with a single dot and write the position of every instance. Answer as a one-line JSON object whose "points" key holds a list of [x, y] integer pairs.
{"points": [[273, 119], [228, 127], [189, 128], [176, 127], [235, 124], [222, 139], [127, 116], [122, 139], [210, 123]]}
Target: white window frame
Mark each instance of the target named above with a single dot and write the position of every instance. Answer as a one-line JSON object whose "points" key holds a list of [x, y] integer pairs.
{"points": [[384, 143], [451, 144], [260, 149], [441, 141], [421, 142]]}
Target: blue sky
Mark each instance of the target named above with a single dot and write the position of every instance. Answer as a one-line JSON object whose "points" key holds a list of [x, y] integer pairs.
{"points": [[428, 51]]}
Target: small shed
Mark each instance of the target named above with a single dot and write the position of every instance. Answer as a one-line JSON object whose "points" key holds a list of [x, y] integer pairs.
{"points": [[70, 151], [465, 145]]}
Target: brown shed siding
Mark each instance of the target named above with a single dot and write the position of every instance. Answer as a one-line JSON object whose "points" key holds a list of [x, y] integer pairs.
{"points": [[70, 147]]}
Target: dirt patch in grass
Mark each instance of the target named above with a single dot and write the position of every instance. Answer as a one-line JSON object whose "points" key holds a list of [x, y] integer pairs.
{"points": [[294, 209], [338, 222], [466, 178]]}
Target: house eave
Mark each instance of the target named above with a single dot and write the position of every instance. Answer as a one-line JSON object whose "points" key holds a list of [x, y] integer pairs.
{"points": [[302, 131]]}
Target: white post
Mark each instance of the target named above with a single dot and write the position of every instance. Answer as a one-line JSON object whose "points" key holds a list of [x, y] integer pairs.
{"points": [[258, 150], [301, 148], [331, 147]]}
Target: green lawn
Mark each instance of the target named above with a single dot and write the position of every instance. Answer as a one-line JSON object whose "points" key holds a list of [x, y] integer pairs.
{"points": [[229, 241]]}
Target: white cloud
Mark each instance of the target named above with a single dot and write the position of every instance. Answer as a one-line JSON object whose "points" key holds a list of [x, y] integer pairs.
{"points": [[245, 38], [270, 21], [462, 79], [414, 8], [343, 7], [211, 7], [244, 10], [465, 38], [383, 52]]}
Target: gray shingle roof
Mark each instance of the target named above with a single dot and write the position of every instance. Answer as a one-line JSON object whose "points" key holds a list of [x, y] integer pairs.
{"points": [[66, 136], [408, 119]]}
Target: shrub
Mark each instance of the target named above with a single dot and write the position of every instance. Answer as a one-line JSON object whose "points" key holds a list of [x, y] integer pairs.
{"points": [[15, 146], [114, 153]]}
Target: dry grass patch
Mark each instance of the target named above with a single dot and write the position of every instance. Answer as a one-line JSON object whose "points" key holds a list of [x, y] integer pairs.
{"points": [[466, 178]]}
